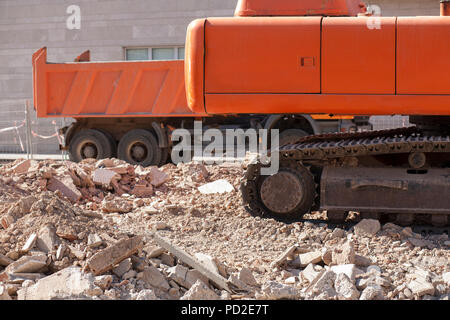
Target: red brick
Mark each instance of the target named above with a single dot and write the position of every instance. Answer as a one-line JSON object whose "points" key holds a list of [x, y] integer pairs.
{"points": [[66, 187], [142, 191], [158, 177]]}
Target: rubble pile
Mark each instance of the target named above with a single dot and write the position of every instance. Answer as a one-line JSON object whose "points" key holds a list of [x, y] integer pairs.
{"points": [[108, 230]]}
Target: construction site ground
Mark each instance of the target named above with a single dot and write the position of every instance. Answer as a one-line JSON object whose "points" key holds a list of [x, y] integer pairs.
{"points": [[181, 232]]}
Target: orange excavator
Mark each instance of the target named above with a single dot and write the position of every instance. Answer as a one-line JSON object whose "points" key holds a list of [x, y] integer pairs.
{"points": [[281, 60], [332, 57]]}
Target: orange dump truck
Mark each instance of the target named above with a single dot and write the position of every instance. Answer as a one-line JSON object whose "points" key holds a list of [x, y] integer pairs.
{"points": [[129, 109]]}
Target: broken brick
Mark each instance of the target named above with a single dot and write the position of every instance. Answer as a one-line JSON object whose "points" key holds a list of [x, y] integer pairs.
{"points": [[106, 259], [66, 187]]}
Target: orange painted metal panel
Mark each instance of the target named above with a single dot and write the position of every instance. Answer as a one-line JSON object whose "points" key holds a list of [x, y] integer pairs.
{"points": [[194, 65], [299, 7], [423, 64], [337, 104], [330, 117], [111, 89], [270, 55], [357, 58]]}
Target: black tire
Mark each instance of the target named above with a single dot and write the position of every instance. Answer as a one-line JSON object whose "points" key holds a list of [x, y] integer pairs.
{"points": [[164, 156], [140, 147], [90, 143], [306, 181], [291, 136], [112, 141]]}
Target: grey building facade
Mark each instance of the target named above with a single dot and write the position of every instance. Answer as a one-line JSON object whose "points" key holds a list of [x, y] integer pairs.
{"points": [[113, 30]]}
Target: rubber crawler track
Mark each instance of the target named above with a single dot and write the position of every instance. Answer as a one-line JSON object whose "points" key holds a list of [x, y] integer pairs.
{"points": [[334, 147]]}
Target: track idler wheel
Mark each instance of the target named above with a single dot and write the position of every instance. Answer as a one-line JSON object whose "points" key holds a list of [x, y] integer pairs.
{"points": [[286, 195]]}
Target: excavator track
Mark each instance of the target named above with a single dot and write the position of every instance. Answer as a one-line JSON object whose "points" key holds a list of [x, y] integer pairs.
{"points": [[350, 150]]}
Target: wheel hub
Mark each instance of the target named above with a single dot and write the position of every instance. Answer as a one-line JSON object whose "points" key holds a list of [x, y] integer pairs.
{"points": [[282, 192], [89, 151], [138, 152]]}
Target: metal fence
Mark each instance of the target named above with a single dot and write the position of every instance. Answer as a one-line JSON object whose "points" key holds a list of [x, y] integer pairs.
{"points": [[387, 122], [23, 135]]}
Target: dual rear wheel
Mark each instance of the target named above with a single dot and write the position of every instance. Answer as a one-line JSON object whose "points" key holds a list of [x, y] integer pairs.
{"points": [[137, 147]]}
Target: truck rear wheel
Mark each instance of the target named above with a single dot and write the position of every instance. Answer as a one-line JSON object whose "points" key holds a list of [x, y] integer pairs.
{"points": [[140, 147], [88, 144]]}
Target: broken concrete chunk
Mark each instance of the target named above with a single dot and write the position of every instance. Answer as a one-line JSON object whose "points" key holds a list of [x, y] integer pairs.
{"points": [[94, 240], [178, 274], [240, 285], [154, 252], [120, 205], [80, 255], [157, 177], [103, 282], [349, 270], [107, 258], [327, 256], [216, 278], [277, 291], [18, 278], [420, 287], [5, 261], [219, 186], [311, 257], [200, 291], [372, 292], [66, 187], [47, 239], [103, 177], [446, 278], [323, 286], [30, 243], [167, 259], [129, 275], [345, 254], [207, 261], [362, 261], [345, 288], [28, 264], [367, 227], [65, 283], [4, 293], [310, 273], [283, 257], [337, 233], [193, 276], [153, 277], [146, 294], [185, 277], [246, 276], [122, 268]]}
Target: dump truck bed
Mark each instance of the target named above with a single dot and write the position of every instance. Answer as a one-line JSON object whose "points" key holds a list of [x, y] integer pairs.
{"points": [[109, 89]]}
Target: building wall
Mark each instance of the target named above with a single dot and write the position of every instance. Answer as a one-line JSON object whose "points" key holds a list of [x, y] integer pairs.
{"points": [[107, 26]]}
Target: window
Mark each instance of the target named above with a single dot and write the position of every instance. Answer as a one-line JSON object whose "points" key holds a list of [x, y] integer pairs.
{"points": [[137, 54], [163, 53]]}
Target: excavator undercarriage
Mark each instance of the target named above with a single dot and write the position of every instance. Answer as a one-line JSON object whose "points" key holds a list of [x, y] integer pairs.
{"points": [[400, 175]]}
